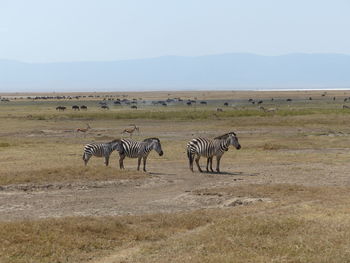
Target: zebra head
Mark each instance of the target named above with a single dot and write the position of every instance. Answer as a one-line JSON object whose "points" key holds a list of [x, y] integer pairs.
{"points": [[117, 145], [234, 140], [155, 144], [229, 139]]}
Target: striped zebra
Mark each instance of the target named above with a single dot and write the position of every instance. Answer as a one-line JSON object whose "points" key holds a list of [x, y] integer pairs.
{"points": [[209, 148], [101, 150], [140, 150]]}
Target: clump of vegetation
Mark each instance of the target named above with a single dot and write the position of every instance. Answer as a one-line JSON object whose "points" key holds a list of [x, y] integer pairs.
{"points": [[68, 174], [271, 147], [4, 144]]}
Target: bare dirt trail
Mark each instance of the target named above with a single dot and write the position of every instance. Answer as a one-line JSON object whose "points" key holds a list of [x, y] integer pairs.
{"points": [[170, 187], [162, 191]]}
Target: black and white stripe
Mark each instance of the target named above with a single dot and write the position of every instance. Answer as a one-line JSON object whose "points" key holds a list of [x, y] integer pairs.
{"points": [[101, 150], [209, 148], [140, 150]]}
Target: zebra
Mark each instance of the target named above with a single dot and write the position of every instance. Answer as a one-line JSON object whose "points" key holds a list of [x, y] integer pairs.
{"points": [[209, 148], [101, 150], [140, 150]]}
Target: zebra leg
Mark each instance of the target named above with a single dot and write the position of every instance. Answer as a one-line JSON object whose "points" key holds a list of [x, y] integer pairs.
{"points": [[211, 164], [121, 164], [191, 158], [138, 163], [86, 158], [144, 163], [197, 162], [208, 161], [106, 160], [218, 158]]}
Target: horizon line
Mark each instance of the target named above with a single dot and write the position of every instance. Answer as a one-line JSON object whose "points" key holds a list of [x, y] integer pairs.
{"points": [[176, 56]]}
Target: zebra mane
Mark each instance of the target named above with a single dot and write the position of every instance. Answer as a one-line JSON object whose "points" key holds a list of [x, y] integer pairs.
{"points": [[225, 136], [115, 140], [151, 139]]}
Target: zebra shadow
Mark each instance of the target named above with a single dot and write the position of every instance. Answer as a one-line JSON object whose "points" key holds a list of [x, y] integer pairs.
{"points": [[230, 173], [158, 174]]}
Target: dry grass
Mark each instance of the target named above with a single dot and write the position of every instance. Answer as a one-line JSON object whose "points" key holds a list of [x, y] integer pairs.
{"points": [[300, 225], [69, 174], [82, 238]]}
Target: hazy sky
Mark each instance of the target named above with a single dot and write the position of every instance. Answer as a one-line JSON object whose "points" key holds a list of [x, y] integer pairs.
{"points": [[75, 30]]}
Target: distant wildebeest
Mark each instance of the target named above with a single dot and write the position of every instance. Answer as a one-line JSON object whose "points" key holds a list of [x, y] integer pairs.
{"points": [[117, 102], [310, 98], [133, 107], [289, 99], [260, 102], [83, 107], [131, 130], [203, 102], [219, 109], [75, 107], [105, 107], [209, 148], [346, 107], [250, 100], [164, 104], [189, 103], [60, 108], [226, 104], [346, 99]]}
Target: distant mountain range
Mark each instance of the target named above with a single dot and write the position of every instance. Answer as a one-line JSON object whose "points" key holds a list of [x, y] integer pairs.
{"points": [[225, 71]]}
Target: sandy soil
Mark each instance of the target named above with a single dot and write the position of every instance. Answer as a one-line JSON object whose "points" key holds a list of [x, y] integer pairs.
{"points": [[170, 187]]}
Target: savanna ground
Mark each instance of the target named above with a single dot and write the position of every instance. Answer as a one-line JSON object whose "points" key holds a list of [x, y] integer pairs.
{"points": [[284, 197]]}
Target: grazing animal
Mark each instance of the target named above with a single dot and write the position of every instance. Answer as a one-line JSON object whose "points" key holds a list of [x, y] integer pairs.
{"points": [[289, 99], [267, 110], [209, 148], [101, 150], [140, 150], [133, 107], [346, 107], [84, 129], [83, 107], [219, 109], [226, 104], [131, 130], [75, 107], [60, 108], [105, 107]]}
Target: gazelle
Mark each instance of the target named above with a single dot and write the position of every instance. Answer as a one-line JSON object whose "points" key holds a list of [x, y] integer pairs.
{"points": [[131, 130], [84, 129]]}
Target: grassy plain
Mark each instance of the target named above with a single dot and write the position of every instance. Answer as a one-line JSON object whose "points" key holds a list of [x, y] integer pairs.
{"points": [[300, 152]]}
